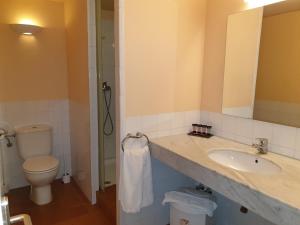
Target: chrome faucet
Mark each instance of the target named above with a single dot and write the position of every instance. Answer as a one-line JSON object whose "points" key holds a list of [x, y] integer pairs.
{"points": [[262, 145]]}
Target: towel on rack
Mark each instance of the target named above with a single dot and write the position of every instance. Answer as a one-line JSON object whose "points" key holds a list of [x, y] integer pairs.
{"points": [[136, 188]]}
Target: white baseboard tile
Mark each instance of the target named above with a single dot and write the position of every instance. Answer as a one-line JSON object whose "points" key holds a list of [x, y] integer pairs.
{"points": [[164, 124]]}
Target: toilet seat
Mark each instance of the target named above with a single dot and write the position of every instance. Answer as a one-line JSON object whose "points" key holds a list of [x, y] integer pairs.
{"points": [[40, 164]]}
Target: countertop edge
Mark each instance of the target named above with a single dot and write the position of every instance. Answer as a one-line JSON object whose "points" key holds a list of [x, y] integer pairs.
{"points": [[264, 205]]}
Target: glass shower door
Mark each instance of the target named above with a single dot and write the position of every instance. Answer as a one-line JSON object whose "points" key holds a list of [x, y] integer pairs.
{"points": [[106, 94]]}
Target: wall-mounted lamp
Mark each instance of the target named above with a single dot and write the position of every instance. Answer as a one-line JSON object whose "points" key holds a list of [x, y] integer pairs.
{"points": [[25, 29]]}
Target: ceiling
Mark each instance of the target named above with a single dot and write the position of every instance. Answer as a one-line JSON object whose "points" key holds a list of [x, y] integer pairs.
{"points": [[282, 7]]}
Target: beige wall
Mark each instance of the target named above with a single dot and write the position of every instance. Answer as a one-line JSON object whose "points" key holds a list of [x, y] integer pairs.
{"points": [[279, 59], [164, 43], [51, 65], [33, 68], [78, 78], [77, 43], [214, 56]]}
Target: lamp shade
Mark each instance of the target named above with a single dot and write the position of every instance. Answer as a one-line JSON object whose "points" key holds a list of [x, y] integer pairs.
{"points": [[26, 29]]}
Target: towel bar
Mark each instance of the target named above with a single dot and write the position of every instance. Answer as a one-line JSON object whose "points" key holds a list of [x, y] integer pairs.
{"points": [[138, 135]]}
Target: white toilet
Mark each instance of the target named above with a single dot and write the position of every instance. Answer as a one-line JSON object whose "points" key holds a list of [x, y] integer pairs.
{"points": [[34, 143]]}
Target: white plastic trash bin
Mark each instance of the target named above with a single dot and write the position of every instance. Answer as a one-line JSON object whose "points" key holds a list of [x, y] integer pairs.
{"points": [[189, 208]]}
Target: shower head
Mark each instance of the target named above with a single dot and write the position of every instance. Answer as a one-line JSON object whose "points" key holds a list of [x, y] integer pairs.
{"points": [[105, 86]]}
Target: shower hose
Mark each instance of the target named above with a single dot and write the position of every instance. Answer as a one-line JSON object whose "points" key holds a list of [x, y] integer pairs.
{"points": [[108, 127]]}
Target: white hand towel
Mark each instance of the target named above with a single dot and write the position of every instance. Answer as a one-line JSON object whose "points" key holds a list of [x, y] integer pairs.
{"points": [[136, 190]]}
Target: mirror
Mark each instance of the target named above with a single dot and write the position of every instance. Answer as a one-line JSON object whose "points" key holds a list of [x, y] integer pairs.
{"points": [[262, 69], [242, 49]]}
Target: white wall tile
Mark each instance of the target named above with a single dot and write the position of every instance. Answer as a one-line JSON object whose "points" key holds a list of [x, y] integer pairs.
{"points": [[244, 128], [205, 117], [243, 140], [282, 150], [284, 136], [283, 140], [133, 124], [149, 123], [228, 135], [262, 130], [165, 121], [163, 124], [216, 121], [229, 125], [178, 120], [163, 133], [182, 130], [192, 117]]}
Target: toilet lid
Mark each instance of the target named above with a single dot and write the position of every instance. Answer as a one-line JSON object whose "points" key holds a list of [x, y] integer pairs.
{"points": [[40, 164]]}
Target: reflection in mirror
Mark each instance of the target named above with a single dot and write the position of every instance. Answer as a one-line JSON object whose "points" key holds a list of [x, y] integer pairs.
{"points": [[262, 69], [242, 48], [277, 96]]}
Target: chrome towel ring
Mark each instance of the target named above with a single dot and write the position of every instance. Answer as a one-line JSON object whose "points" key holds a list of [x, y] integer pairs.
{"points": [[137, 136]]}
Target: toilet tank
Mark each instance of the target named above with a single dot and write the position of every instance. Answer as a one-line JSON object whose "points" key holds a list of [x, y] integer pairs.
{"points": [[34, 140]]}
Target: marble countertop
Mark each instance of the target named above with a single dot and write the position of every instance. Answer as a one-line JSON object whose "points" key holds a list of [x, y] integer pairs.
{"points": [[275, 197]]}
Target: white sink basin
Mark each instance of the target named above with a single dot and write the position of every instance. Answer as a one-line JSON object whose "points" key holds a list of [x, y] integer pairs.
{"points": [[243, 161]]}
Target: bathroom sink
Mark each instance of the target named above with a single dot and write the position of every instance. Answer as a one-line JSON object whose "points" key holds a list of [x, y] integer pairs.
{"points": [[243, 161]]}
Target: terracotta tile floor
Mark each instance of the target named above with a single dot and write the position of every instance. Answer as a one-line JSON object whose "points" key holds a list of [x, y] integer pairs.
{"points": [[69, 206]]}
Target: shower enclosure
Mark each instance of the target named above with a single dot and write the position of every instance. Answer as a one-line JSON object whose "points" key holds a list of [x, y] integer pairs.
{"points": [[106, 92]]}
